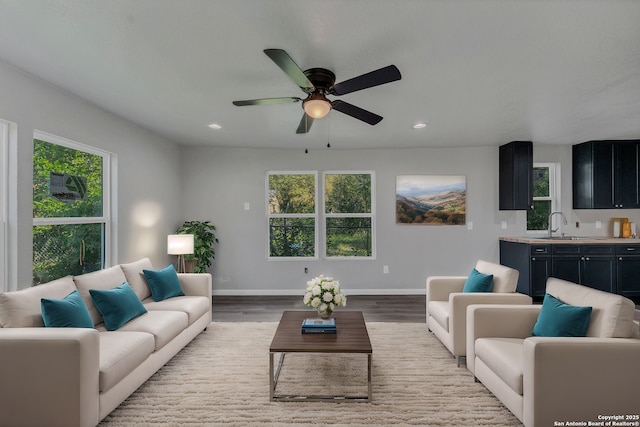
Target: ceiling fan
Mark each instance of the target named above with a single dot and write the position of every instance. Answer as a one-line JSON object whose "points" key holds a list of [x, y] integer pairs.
{"points": [[317, 83]]}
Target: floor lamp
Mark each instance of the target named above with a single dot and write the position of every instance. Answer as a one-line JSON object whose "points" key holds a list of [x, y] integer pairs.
{"points": [[181, 245]]}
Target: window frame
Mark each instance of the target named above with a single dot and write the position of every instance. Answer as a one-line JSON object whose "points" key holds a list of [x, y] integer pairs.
{"points": [[370, 215], [554, 193], [314, 215], [4, 201], [106, 218]]}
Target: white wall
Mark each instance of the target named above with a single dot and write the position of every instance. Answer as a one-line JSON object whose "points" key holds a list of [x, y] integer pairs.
{"points": [[218, 181], [148, 169]]}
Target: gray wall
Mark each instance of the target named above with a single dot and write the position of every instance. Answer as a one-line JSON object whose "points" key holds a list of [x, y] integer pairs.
{"points": [[218, 181], [148, 169]]}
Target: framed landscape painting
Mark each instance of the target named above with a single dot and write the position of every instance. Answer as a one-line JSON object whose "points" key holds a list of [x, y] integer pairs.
{"points": [[431, 199]]}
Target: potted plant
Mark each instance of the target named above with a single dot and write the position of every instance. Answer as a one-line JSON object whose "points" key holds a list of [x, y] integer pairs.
{"points": [[203, 240]]}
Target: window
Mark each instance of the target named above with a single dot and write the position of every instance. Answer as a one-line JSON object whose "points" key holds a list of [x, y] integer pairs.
{"points": [[343, 226], [292, 214], [546, 195], [71, 221], [348, 210]]}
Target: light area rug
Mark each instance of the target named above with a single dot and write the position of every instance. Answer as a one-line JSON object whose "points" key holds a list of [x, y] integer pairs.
{"points": [[222, 378]]}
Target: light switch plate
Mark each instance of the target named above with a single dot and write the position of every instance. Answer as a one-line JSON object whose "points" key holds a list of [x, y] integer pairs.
{"points": [[469, 225], [504, 225], [598, 224], [247, 206]]}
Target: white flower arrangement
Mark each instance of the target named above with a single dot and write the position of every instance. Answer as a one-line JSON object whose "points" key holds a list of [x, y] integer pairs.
{"points": [[324, 294]]}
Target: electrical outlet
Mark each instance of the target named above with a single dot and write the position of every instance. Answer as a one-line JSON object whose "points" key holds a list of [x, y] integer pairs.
{"points": [[385, 269], [504, 225], [598, 224], [247, 206], [469, 225]]}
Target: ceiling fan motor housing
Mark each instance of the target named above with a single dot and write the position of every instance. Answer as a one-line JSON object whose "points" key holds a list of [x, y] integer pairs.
{"points": [[322, 79]]}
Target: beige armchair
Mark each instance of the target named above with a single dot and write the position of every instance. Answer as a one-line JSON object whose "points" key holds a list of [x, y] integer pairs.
{"points": [[447, 304], [544, 380]]}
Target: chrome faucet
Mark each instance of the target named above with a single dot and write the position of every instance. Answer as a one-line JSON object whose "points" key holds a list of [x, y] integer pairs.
{"points": [[564, 221]]}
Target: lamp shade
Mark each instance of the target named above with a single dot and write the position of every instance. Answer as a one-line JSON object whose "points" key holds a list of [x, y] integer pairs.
{"points": [[179, 244], [316, 106]]}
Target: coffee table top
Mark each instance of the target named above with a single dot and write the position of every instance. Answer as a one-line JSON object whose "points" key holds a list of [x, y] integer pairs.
{"points": [[351, 334]]}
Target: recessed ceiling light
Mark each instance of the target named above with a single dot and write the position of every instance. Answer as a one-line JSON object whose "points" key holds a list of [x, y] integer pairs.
{"points": [[419, 125], [215, 126]]}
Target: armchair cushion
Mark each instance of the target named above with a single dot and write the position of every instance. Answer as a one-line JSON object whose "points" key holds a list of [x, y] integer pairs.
{"points": [[504, 357], [478, 282], [557, 319], [439, 310]]}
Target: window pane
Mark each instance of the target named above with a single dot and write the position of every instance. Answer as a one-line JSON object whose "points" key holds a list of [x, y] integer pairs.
{"points": [[540, 182], [292, 194], [66, 182], [60, 250], [291, 237], [538, 217], [349, 237], [347, 193]]}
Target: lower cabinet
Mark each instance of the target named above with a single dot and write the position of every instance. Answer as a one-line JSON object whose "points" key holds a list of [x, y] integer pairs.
{"points": [[611, 268]]}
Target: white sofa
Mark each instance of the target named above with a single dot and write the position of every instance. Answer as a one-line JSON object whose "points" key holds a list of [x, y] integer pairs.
{"points": [[76, 376], [543, 380], [447, 304]]}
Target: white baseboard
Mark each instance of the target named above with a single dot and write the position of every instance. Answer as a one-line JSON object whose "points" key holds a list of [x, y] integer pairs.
{"points": [[294, 292]]}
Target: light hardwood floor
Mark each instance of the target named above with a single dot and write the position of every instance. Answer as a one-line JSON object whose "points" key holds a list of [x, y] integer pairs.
{"points": [[387, 308]]}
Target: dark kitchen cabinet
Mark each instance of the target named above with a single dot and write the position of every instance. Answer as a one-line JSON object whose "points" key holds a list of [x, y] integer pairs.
{"points": [[606, 175], [516, 176], [593, 265], [628, 266]]}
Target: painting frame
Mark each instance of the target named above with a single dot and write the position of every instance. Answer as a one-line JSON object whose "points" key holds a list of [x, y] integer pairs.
{"points": [[431, 199]]}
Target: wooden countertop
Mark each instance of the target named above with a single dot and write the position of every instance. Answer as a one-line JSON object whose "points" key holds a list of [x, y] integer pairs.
{"points": [[579, 241]]}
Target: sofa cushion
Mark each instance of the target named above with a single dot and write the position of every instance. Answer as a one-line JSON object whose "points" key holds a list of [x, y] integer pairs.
{"points": [[69, 312], [557, 319], [163, 283], [194, 306], [135, 277], [612, 315], [163, 325], [105, 279], [439, 310], [505, 279], [504, 356], [117, 306], [121, 353], [22, 309], [478, 282]]}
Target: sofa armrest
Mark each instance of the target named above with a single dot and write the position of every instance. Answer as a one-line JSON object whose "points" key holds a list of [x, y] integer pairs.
{"points": [[590, 376], [458, 303], [196, 284], [439, 287], [498, 321], [49, 376]]}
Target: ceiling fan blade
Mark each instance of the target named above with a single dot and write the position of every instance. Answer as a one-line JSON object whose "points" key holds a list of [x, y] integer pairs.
{"points": [[356, 112], [284, 61], [374, 78], [305, 124], [267, 101]]}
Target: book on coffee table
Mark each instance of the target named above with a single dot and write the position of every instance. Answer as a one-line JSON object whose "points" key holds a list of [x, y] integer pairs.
{"points": [[319, 326]]}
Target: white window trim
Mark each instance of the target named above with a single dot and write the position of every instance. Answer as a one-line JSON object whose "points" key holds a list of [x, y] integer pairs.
{"points": [[554, 193], [325, 215], [313, 215], [107, 194], [4, 201]]}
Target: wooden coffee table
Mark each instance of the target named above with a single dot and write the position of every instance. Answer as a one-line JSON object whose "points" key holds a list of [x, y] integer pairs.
{"points": [[351, 337]]}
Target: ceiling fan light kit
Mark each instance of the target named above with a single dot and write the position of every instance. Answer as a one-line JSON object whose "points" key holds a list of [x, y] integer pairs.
{"points": [[316, 106], [319, 82]]}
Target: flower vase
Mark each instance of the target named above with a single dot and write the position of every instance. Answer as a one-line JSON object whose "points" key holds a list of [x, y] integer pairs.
{"points": [[325, 314]]}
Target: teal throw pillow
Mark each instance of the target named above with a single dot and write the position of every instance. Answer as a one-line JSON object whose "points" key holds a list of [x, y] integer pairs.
{"points": [[478, 282], [163, 283], [117, 306], [557, 319], [70, 312]]}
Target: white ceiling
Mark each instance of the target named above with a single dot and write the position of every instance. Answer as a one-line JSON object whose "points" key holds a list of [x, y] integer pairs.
{"points": [[478, 72]]}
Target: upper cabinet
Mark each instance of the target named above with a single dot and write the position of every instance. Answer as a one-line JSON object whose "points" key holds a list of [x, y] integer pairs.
{"points": [[606, 175], [516, 176]]}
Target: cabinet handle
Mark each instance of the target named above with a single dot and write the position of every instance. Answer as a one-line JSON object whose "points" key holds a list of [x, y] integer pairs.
{"points": [[533, 259], [631, 249], [620, 259], [587, 258], [540, 250]]}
